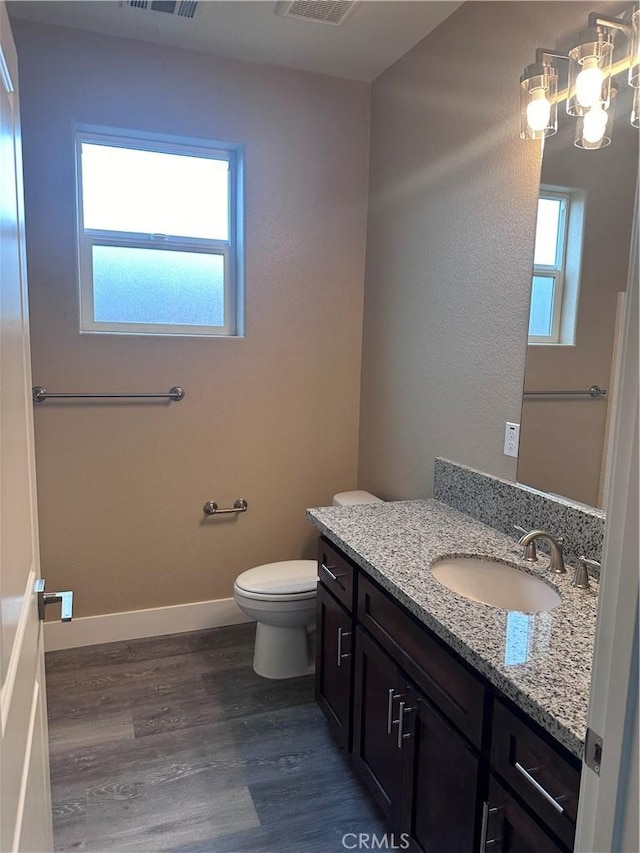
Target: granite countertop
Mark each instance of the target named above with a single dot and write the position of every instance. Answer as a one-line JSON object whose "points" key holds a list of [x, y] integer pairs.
{"points": [[541, 661]]}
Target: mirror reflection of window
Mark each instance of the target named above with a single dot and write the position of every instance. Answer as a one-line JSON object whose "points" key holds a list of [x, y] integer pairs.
{"points": [[516, 648], [556, 266]]}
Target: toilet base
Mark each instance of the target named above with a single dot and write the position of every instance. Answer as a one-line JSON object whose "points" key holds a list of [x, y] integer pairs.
{"points": [[282, 652]]}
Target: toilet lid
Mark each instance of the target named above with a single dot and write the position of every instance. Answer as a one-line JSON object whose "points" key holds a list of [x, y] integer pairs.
{"points": [[284, 578]]}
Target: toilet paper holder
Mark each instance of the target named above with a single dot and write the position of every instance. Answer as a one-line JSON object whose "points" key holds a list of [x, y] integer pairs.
{"points": [[211, 507]]}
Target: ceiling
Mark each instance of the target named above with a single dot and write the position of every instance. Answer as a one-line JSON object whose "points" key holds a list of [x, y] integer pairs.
{"points": [[373, 36]]}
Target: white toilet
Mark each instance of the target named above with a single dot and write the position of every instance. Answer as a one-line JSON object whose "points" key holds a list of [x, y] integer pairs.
{"points": [[281, 597]]}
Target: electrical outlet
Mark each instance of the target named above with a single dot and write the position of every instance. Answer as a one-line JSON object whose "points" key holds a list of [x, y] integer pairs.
{"points": [[511, 439]]}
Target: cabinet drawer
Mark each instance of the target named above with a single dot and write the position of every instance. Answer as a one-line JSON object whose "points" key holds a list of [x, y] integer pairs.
{"points": [[509, 828], [336, 573], [539, 771], [448, 683]]}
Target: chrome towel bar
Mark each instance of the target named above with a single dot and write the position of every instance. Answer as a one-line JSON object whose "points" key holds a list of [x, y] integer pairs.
{"points": [[211, 507], [594, 391], [41, 394]]}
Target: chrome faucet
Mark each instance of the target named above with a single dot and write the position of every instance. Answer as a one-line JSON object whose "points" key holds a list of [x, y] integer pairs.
{"points": [[556, 563]]}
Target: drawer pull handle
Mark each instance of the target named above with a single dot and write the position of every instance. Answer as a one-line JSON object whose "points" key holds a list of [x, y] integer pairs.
{"points": [[551, 800], [331, 574], [341, 634]]}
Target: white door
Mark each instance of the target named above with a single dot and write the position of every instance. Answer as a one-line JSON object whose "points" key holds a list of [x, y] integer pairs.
{"points": [[608, 804], [25, 799]]}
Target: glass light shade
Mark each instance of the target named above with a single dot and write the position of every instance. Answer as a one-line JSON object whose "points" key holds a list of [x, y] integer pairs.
{"points": [[590, 72], [538, 101], [593, 129], [635, 110], [634, 52]]}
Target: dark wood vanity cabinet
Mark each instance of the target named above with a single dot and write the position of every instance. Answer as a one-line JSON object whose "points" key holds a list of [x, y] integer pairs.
{"points": [[379, 683], [536, 770], [420, 771], [440, 792], [334, 665], [442, 752], [509, 828]]}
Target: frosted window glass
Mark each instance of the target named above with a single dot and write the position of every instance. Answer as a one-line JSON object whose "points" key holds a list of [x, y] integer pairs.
{"points": [[547, 224], [158, 286], [541, 317], [150, 192]]}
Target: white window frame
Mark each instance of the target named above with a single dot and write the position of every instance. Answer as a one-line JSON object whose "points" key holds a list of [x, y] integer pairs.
{"points": [[556, 271], [230, 249]]}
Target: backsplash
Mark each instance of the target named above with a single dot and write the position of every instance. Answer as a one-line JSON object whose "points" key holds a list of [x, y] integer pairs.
{"points": [[502, 504]]}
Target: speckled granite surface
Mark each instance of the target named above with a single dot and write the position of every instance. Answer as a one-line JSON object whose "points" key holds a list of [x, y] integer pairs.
{"points": [[541, 661], [502, 504]]}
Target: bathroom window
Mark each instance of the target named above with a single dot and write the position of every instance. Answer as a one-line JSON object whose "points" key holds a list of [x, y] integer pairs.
{"points": [[159, 236], [556, 266]]}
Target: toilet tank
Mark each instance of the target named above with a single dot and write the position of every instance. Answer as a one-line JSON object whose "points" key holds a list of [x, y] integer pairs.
{"points": [[353, 498]]}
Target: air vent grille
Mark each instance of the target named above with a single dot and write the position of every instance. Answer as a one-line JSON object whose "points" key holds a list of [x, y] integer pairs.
{"points": [[179, 8], [322, 11]]}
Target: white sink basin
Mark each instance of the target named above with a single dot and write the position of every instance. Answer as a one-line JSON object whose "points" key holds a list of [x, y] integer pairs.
{"points": [[485, 580]]}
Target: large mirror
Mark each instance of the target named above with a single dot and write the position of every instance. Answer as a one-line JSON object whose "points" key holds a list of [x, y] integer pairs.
{"points": [[585, 220]]}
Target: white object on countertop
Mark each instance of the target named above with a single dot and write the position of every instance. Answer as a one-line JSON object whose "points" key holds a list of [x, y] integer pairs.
{"points": [[354, 498]]}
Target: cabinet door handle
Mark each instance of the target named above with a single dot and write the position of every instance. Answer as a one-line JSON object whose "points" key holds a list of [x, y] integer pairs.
{"points": [[484, 842], [527, 775], [342, 633], [401, 732], [390, 721]]}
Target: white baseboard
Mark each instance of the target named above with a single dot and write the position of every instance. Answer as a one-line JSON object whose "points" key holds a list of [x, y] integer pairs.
{"points": [[133, 624]]}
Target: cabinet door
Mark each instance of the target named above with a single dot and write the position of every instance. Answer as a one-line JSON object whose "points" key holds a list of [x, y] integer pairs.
{"points": [[440, 784], [507, 827], [334, 665], [378, 692]]}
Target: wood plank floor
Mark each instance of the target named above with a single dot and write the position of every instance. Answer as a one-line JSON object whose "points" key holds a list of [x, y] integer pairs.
{"points": [[175, 744]]}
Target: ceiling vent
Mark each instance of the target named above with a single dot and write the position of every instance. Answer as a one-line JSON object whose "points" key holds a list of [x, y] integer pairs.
{"points": [[179, 8], [323, 11]]}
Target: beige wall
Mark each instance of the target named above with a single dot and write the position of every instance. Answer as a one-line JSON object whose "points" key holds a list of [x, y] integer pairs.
{"points": [[272, 417], [450, 245], [561, 441]]}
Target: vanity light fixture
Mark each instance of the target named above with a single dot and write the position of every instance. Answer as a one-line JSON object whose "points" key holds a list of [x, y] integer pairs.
{"points": [[590, 60], [589, 89], [539, 100], [539, 96], [594, 128]]}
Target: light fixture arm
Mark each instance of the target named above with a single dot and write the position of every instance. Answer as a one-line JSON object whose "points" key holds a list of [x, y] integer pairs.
{"points": [[598, 20], [544, 53]]}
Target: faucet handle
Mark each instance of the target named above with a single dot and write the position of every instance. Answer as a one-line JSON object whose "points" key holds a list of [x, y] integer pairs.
{"points": [[581, 575], [530, 554]]}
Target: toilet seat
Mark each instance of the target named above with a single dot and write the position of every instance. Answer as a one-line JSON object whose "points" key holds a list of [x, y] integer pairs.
{"points": [[287, 580]]}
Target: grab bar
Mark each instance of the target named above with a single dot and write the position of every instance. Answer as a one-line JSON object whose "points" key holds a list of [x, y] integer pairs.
{"points": [[594, 391], [211, 507], [41, 394]]}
